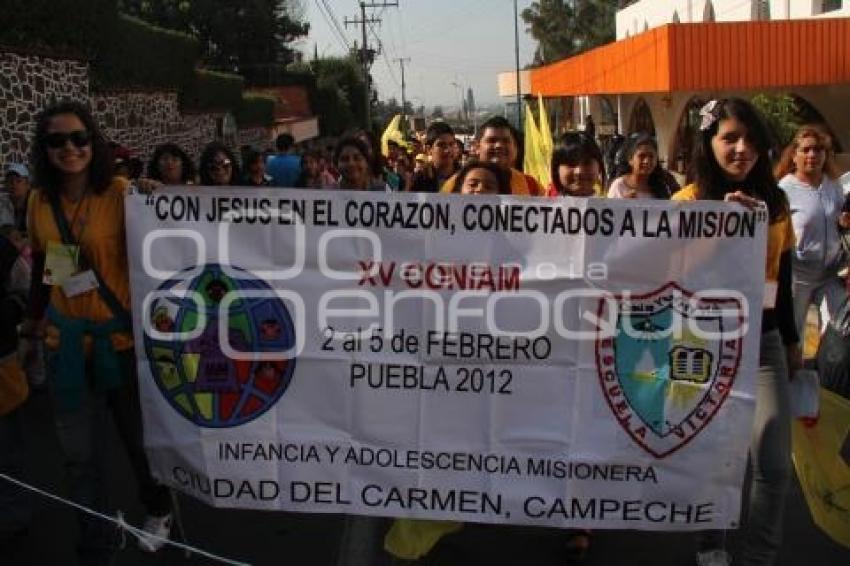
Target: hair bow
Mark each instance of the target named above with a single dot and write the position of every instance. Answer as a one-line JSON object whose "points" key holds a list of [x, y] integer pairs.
{"points": [[709, 115]]}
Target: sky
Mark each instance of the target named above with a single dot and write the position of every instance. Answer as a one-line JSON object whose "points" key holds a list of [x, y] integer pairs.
{"points": [[466, 42]]}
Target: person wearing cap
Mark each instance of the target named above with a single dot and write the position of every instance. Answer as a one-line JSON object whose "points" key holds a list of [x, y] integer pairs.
{"points": [[17, 190]]}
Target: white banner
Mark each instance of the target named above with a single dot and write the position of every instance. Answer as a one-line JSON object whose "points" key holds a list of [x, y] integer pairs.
{"points": [[562, 362]]}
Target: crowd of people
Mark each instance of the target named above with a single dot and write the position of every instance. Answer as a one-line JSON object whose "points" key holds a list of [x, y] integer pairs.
{"points": [[65, 291]]}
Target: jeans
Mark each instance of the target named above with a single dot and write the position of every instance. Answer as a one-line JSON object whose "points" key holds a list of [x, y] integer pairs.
{"points": [[827, 294], [83, 436], [770, 460], [770, 455]]}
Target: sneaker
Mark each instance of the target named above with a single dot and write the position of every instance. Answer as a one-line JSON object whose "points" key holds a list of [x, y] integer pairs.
{"points": [[714, 558], [158, 527]]}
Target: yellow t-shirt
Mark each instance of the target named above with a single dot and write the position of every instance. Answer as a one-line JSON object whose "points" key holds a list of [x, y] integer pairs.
{"points": [[780, 235], [521, 185], [98, 227]]}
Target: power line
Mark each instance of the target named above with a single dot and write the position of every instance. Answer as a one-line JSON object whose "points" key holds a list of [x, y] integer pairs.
{"points": [[363, 21], [332, 24]]}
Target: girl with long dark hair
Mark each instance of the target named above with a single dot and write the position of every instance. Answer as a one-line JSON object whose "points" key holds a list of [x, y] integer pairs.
{"points": [[643, 176], [731, 163]]}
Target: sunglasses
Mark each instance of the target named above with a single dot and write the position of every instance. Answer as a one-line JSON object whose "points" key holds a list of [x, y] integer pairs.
{"points": [[80, 138], [220, 164]]}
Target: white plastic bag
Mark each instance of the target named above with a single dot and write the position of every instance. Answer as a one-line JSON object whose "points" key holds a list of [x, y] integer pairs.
{"points": [[805, 394]]}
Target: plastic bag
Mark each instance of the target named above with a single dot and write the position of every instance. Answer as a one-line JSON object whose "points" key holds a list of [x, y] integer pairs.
{"points": [[822, 462], [805, 394], [412, 539], [833, 357]]}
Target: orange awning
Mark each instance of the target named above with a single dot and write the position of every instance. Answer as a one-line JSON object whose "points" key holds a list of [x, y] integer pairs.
{"points": [[707, 56]]}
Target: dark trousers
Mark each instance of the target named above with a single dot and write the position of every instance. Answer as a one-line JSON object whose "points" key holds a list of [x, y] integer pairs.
{"points": [[83, 436], [15, 502]]}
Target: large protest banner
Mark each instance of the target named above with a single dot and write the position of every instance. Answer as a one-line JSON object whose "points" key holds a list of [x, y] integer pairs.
{"points": [[545, 362]]}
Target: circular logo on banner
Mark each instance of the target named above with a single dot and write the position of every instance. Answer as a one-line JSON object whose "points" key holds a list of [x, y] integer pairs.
{"points": [[215, 345]]}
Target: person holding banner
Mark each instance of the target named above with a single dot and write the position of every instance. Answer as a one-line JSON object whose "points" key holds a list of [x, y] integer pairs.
{"points": [[81, 283], [576, 167], [807, 173], [170, 165], [218, 166], [731, 163], [643, 176], [353, 160]]}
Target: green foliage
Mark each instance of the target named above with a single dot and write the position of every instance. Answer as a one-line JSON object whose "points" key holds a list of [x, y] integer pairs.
{"points": [[142, 55], [280, 75], [255, 110], [240, 37], [566, 28], [67, 27], [781, 114], [212, 91], [338, 100]]}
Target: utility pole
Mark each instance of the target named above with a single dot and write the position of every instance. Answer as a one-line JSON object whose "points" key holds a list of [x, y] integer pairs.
{"points": [[401, 62], [363, 21], [518, 80]]}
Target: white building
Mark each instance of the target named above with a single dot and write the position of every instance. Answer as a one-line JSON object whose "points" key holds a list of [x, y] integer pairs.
{"points": [[672, 55]]}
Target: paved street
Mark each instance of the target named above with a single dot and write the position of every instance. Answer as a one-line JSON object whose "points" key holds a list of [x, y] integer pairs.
{"points": [[289, 539]]}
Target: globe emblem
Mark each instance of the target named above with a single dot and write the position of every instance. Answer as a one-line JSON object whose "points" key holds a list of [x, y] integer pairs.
{"points": [[195, 375]]}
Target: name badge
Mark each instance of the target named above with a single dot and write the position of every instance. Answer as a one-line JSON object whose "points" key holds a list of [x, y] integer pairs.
{"points": [[79, 283], [770, 289], [60, 263]]}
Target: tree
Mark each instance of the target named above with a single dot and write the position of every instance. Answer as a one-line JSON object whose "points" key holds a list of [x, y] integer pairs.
{"points": [[781, 114], [242, 37], [338, 100], [565, 28]]}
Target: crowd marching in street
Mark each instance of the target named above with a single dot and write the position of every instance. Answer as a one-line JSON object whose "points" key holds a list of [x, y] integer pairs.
{"points": [[63, 212]]}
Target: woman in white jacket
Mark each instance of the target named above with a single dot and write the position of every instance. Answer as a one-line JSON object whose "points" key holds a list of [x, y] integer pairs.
{"points": [[807, 174]]}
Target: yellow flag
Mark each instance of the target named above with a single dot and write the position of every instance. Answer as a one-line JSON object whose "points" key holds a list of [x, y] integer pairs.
{"points": [[546, 144], [823, 466], [392, 132], [533, 163]]}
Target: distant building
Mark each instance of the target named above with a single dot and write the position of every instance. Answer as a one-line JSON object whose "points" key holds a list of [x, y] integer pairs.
{"points": [[292, 112], [671, 56]]}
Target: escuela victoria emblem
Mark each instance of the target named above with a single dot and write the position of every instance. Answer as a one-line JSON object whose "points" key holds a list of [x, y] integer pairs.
{"points": [[670, 364], [197, 378]]}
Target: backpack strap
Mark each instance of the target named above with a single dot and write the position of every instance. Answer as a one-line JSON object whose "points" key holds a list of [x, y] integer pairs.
{"points": [[118, 310]]}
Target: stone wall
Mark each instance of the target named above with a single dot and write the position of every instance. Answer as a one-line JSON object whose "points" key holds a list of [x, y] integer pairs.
{"points": [[28, 84], [138, 120], [258, 138], [143, 120]]}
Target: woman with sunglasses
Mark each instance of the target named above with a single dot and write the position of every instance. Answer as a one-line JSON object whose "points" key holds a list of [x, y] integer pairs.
{"points": [[731, 163], [807, 173], [218, 166], [79, 301]]}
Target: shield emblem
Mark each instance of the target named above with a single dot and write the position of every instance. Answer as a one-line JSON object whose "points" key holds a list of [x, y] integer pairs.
{"points": [[670, 364]]}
